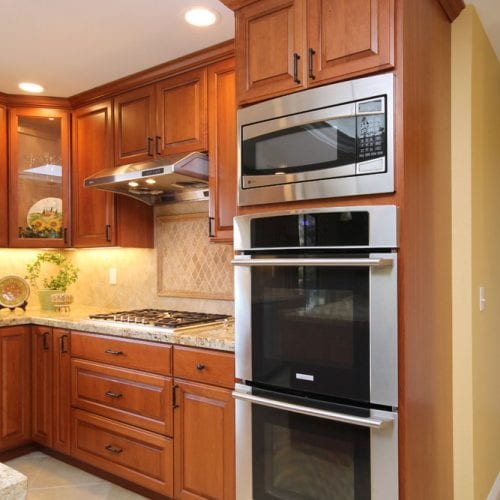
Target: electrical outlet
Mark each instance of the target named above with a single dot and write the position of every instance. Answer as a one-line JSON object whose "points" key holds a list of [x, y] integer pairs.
{"points": [[112, 275]]}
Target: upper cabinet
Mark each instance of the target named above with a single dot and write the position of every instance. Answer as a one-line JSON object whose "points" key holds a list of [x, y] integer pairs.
{"points": [[222, 150], [101, 218], [161, 119], [135, 125], [93, 210], [38, 177], [4, 217], [286, 45]]}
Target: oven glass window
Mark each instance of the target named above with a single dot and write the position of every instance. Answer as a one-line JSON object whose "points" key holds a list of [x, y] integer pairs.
{"points": [[310, 330], [313, 146], [296, 457]]}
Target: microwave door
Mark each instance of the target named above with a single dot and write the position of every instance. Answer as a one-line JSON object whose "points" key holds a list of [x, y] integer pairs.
{"points": [[301, 147]]}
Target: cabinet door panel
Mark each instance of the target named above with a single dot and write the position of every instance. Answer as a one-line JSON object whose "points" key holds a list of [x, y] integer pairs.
{"points": [[41, 385], [38, 177], [350, 38], [134, 116], [204, 442], [93, 210], [15, 370], [61, 371], [222, 149], [269, 34], [182, 113]]}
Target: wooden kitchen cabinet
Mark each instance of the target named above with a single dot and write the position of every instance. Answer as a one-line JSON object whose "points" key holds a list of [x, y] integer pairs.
{"points": [[204, 445], [222, 167], [287, 45], [41, 385], [4, 217], [182, 113], [61, 390], [50, 382], [39, 188], [101, 218], [135, 125], [15, 383]]}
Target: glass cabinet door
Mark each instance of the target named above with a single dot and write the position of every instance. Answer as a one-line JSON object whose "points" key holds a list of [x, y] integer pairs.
{"points": [[38, 177]]}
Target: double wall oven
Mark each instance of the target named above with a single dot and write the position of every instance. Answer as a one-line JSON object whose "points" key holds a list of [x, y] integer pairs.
{"points": [[316, 354]]}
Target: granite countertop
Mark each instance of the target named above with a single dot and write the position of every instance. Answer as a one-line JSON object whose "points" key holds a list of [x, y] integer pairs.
{"points": [[212, 337], [13, 484]]}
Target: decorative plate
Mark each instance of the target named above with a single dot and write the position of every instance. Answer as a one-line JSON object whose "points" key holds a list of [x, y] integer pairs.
{"points": [[45, 218], [14, 291]]}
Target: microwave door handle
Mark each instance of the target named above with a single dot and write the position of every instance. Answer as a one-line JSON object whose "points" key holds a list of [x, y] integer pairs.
{"points": [[374, 423], [375, 262]]}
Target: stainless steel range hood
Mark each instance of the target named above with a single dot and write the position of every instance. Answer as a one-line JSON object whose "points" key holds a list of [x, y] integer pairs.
{"points": [[181, 177]]}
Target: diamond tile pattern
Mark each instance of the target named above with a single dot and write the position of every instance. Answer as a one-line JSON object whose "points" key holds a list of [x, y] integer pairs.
{"points": [[188, 264]]}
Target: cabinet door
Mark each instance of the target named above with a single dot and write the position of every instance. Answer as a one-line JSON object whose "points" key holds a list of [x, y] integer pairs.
{"points": [[134, 118], [204, 442], [38, 177], [3, 178], [270, 49], [41, 385], [349, 38], [182, 113], [222, 149], [61, 390], [15, 383], [93, 210]]}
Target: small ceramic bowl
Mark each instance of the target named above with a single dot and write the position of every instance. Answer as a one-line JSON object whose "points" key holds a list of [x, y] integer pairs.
{"points": [[61, 301]]}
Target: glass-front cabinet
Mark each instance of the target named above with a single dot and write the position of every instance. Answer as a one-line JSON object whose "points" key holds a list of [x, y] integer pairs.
{"points": [[38, 177]]}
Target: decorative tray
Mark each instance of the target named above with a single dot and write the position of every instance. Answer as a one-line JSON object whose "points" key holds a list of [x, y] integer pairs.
{"points": [[14, 292]]}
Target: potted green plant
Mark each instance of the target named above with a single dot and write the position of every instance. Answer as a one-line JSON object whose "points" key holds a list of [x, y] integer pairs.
{"points": [[57, 275]]}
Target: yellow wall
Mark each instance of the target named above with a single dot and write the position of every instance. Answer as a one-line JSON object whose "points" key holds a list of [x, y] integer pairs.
{"points": [[476, 233]]}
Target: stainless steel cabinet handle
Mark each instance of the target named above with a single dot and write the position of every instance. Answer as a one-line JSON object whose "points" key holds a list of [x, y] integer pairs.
{"points": [[112, 394], [374, 423], [113, 449], [313, 262]]}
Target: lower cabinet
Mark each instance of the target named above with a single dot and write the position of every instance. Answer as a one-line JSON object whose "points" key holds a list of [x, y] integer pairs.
{"points": [[50, 388], [203, 442], [15, 371], [131, 453]]}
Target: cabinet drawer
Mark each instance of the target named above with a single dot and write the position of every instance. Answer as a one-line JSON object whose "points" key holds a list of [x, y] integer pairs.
{"points": [[132, 454], [133, 397], [201, 365], [127, 353]]}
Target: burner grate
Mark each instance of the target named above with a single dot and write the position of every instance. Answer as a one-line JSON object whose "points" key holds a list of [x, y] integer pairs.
{"points": [[160, 317]]}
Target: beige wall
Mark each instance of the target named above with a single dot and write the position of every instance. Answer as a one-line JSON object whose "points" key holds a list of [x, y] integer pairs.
{"points": [[476, 234]]}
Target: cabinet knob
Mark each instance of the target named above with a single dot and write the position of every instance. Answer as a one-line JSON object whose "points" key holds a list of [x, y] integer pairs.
{"points": [[200, 366]]}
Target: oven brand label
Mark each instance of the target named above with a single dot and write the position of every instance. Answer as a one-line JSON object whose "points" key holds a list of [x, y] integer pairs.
{"points": [[304, 376]]}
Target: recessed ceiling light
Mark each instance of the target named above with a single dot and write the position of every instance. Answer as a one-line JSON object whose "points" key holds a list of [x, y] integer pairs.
{"points": [[133, 184], [201, 16], [31, 87], [150, 181]]}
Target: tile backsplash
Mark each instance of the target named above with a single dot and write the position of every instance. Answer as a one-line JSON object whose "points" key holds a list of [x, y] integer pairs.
{"points": [[205, 274]]}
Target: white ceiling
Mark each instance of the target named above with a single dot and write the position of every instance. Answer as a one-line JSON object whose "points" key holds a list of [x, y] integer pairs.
{"points": [[69, 46]]}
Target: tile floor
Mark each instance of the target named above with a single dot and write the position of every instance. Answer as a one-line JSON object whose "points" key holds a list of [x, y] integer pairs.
{"points": [[51, 479]]}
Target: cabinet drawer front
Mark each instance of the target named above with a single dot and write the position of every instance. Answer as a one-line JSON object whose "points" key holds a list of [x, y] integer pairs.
{"points": [[127, 353], [210, 367], [129, 396], [130, 453]]}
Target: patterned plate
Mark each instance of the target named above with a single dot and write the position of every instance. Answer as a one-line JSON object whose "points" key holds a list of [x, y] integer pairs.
{"points": [[14, 291]]}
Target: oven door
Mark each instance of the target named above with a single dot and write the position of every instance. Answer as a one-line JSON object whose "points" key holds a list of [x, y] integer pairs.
{"points": [[325, 326], [295, 452]]}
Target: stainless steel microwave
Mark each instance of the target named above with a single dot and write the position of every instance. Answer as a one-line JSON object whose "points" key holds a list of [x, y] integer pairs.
{"points": [[326, 142]]}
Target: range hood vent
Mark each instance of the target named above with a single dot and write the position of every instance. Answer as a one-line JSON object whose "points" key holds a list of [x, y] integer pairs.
{"points": [[182, 177]]}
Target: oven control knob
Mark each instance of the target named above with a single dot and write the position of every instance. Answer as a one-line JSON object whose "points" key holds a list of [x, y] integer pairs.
{"points": [[200, 366]]}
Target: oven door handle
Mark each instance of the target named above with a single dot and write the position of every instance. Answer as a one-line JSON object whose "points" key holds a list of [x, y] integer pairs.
{"points": [[374, 423], [362, 262]]}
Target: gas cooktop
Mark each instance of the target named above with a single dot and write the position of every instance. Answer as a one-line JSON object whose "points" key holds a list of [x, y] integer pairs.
{"points": [[162, 318]]}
